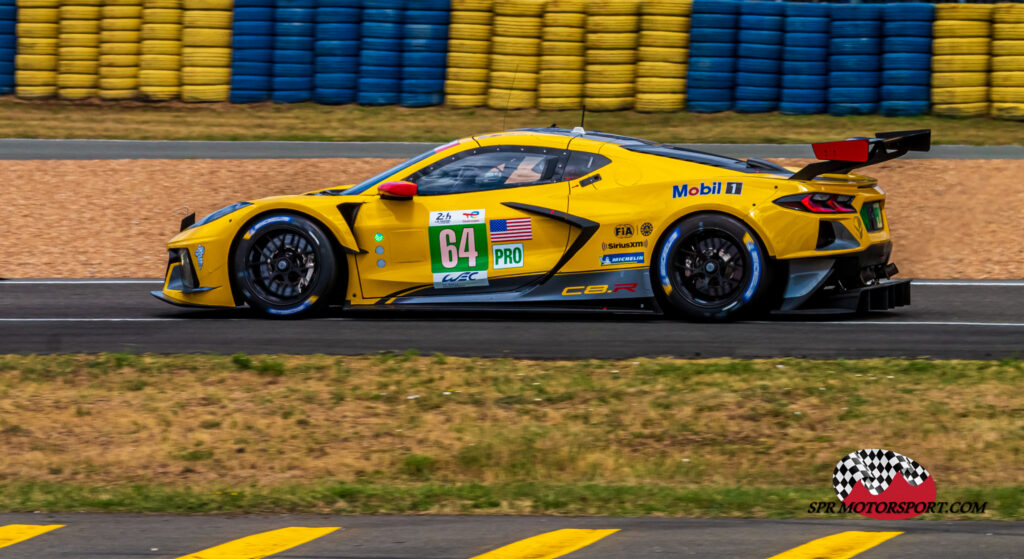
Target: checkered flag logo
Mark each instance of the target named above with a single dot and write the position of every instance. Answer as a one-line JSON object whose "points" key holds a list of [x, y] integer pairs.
{"points": [[875, 468]]}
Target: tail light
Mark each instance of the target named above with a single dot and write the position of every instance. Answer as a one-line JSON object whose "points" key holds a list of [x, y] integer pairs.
{"points": [[819, 203]]}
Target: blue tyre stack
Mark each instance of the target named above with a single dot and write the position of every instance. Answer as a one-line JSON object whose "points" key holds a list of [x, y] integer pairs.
{"points": [[854, 59], [424, 53], [759, 57], [252, 44], [8, 42], [805, 59], [336, 51], [712, 67], [293, 51], [906, 62], [380, 53]]}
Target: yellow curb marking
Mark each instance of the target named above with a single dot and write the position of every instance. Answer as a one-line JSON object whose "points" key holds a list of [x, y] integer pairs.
{"points": [[262, 545], [837, 546], [14, 533], [548, 545]]}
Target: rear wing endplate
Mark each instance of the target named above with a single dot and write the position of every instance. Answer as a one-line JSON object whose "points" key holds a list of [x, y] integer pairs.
{"points": [[847, 155]]}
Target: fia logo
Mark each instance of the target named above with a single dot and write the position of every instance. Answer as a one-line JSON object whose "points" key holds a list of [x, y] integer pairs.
{"points": [[624, 231]]}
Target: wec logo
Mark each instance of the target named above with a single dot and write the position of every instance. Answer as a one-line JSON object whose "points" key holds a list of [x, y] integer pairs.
{"points": [[460, 279]]}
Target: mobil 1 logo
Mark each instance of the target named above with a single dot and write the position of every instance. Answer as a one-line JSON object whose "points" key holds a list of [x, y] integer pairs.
{"points": [[509, 255], [458, 248]]}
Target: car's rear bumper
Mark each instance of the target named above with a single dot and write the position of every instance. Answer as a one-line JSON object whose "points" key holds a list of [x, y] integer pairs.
{"points": [[853, 282]]}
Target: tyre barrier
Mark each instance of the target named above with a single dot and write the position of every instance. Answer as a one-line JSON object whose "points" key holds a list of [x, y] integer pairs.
{"points": [[424, 55], [159, 76], [711, 70], [562, 45], [78, 49], [469, 49], [252, 44], [292, 61], [960, 57], [8, 42], [206, 41], [905, 92], [380, 54], [757, 54], [1007, 49], [120, 46], [610, 65], [515, 54], [35, 64], [855, 37], [662, 56], [804, 70]]}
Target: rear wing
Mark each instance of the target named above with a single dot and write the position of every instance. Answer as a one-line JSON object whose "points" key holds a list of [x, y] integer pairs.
{"points": [[847, 155]]}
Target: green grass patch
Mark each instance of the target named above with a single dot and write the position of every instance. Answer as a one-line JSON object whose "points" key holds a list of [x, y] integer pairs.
{"points": [[312, 122], [404, 432]]}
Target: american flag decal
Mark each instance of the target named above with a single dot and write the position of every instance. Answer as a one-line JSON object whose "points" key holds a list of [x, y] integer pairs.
{"points": [[516, 229]]}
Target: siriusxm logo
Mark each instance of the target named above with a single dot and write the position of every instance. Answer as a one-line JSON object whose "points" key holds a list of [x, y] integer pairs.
{"points": [[685, 190]]}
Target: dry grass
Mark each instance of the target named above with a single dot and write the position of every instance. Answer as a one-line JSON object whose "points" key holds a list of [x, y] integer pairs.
{"points": [[307, 121], [273, 420]]}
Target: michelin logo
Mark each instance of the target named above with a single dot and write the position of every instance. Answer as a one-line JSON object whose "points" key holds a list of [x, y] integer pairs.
{"points": [[685, 190], [624, 258]]}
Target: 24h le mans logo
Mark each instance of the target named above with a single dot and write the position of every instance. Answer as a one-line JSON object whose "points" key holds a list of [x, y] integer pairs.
{"points": [[883, 484]]}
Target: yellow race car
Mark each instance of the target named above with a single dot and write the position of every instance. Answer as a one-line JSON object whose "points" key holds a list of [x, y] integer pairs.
{"points": [[560, 219]]}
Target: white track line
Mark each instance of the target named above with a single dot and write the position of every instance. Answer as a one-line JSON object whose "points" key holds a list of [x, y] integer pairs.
{"points": [[894, 322], [969, 283]]}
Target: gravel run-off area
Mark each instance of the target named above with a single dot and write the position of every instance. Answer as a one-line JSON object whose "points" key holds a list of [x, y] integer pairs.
{"points": [[949, 219]]}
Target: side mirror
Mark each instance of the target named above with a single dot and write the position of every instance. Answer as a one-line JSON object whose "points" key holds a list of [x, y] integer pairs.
{"points": [[397, 190]]}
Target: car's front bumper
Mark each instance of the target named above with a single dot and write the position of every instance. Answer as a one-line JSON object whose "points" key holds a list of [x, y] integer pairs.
{"points": [[186, 286]]}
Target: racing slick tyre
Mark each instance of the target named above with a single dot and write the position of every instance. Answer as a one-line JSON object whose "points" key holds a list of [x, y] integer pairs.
{"points": [[284, 266], [711, 267]]}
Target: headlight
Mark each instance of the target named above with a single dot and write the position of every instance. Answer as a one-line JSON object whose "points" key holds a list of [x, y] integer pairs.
{"points": [[221, 213]]}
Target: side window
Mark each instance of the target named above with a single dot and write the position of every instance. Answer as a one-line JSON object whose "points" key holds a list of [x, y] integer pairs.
{"points": [[487, 169], [582, 163]]}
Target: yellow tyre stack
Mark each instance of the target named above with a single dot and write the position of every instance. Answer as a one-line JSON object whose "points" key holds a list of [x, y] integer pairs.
{"points": [[561, 75], [206, 51], [35, 64], [160, 58], [662, 55], [960, 61], [78, 49], [1007, 78], [119, 49], [515, 54], [611, 42], [469, 48]]}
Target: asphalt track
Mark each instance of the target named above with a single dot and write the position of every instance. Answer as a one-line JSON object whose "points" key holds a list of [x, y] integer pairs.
{"points": [[91, 536], [947, 320], [28, 149]]}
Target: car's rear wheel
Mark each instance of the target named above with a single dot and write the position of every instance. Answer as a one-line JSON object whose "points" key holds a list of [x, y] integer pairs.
{"points": [[711, 267], [285, 266]]}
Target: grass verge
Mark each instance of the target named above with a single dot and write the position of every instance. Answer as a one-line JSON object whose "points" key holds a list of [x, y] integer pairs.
{"points": [[308, 121], [410, 433]]}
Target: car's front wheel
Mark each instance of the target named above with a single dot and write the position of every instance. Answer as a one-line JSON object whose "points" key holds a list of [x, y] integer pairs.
{"points": [[711, 267], [284, 265]]}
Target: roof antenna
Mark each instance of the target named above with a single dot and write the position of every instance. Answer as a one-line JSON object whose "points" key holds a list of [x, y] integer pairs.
{"points": [[583, 116], [508, 101]]}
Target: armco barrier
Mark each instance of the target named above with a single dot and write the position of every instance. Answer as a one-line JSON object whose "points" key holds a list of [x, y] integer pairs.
{"points": [[900, 58]]}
